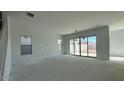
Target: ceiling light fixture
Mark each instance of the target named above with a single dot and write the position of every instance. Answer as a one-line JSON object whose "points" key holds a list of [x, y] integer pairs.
{"points": [[75, 31]]}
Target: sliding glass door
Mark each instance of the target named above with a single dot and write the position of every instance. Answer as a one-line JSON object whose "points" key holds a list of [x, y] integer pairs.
{"points": [[77, 46], [84, 46], [92, 46], [71, 46]]}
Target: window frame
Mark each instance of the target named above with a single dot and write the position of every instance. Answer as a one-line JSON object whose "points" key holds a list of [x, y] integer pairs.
{"points": [[25, 45], [80, 46]]}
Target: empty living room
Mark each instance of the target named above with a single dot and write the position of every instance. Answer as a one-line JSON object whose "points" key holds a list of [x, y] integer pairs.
{"points": [[61, 45]]}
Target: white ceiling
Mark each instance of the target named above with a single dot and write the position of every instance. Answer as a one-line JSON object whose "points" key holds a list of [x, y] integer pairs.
{"points": [[67, 22]]}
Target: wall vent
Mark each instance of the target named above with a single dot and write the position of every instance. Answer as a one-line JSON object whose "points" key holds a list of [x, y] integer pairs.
{"points": [[30, 14]]}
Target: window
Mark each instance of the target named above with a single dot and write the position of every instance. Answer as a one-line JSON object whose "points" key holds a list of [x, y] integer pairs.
{"points": [[84, 46], [60, 44], [77, 46], [26, 45], [71, 46], [92, 46]]}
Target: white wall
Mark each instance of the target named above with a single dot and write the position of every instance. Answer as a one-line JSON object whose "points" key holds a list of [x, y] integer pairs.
{"points": [[117, 43], [102, 40], [8, 60], [44, 41], [5, 49]]}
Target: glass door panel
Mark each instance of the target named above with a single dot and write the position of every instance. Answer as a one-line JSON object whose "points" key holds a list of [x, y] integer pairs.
{"points": [[92, 46], [77, 46], [71, 46], [84, 46]]}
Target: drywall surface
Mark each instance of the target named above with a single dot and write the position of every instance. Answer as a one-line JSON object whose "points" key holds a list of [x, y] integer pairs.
{"points": [[102, 41], [5, 50], [117, 43], [8, 60], [44, 41]]}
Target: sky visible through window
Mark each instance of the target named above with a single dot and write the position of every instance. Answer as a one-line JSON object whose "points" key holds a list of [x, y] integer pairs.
{"points": [[92, 39]]}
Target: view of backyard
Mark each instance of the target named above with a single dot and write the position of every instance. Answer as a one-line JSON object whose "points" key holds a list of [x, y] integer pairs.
{"points": [[84, 46]]}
